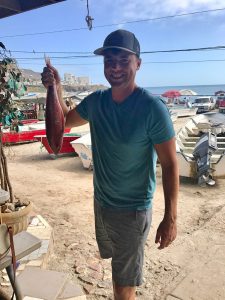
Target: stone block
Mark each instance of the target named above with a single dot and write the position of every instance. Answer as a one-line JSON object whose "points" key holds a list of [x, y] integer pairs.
{"points": [[35, 263], [71, 291], [41, 233], [193, 286], [41, 284]]}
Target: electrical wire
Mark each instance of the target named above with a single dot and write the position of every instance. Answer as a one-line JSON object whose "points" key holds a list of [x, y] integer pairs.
{"points": [[143, 63], [57, 57], [43, 52], [117, 24], [143, 52]]}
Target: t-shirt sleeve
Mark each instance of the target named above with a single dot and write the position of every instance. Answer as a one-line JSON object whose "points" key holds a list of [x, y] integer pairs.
{"points": [[82, 108], [159, 124]]}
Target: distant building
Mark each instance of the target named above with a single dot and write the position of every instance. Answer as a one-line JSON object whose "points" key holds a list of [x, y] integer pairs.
{"points": [[73, 80], [70, 79], [84, 80]]}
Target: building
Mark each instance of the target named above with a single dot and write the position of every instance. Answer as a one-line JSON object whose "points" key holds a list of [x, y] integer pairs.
{"points": [[70, 79], [73, 80], [83, 80]]}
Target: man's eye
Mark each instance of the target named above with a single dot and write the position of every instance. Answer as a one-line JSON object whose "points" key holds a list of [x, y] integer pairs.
{"points": [[119, 62]]}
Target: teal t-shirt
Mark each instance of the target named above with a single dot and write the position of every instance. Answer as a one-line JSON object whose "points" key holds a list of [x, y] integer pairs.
{"points": [[123, 137]]}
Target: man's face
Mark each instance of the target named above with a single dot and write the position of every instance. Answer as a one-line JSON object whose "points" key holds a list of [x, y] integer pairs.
{"points": [[120, 67]]}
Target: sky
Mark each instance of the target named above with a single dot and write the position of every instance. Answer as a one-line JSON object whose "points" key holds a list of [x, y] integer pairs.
{"points": [[32, 32]]}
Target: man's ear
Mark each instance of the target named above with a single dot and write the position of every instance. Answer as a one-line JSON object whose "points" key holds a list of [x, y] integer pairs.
{"points": [[138, 63]]}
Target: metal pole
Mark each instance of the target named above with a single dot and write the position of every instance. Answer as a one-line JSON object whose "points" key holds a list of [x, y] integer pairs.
{"points": [[14, 283]]}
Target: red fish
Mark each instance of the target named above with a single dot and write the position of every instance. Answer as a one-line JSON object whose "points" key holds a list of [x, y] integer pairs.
{"points": [[54, 118]]}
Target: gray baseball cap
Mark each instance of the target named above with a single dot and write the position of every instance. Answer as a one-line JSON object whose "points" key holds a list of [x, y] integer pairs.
{"points": [[120, 39]]}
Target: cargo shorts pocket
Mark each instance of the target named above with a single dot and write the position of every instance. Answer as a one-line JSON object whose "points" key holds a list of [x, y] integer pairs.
{"points": [[143, 220]]}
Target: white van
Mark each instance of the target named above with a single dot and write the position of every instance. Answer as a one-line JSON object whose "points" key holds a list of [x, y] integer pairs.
{"points": [[204, 104]]}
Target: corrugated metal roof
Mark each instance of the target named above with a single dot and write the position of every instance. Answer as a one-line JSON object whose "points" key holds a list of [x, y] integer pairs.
{"points": [[13, 7]]}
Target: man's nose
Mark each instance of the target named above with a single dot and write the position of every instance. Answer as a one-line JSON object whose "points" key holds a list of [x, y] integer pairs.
{"points": [[116, 65]]}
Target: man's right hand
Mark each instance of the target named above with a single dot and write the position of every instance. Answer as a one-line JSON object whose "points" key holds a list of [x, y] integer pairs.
{"points": [[50, 76]]}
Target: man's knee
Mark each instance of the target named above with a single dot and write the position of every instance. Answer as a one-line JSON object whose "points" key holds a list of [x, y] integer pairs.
{"points": [[124, 292]]}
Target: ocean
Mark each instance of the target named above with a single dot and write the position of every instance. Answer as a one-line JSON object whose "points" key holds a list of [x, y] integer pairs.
{"points": [[201, 90]]}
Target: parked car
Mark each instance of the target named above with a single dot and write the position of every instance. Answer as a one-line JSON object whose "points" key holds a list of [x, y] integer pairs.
{"points": [[204, 104]]}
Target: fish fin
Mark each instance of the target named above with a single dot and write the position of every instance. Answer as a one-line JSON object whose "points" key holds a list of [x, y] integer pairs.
{"points": [[47, 60]]}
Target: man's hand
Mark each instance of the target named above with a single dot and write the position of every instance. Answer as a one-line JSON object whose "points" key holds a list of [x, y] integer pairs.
{"points": [[50, 76], [167, 229], [166, 233]]}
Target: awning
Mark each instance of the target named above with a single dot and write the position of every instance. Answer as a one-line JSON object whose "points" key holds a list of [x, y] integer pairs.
{"points": [[13, 7]]}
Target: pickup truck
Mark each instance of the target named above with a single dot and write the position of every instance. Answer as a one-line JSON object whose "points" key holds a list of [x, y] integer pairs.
{"points": [[204, 104]]}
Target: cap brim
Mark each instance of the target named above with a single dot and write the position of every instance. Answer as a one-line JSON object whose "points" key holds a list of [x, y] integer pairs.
{"points": [[100, 51]]}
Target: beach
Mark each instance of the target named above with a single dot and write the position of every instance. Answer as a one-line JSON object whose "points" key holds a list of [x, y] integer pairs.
{"points": [[62, 192]]}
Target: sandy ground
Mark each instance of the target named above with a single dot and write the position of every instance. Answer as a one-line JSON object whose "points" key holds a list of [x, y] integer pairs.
{"points": [[61, 191]]}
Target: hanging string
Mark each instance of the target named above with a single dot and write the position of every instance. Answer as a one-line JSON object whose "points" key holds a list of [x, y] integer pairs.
{"points": [[88, 18]]}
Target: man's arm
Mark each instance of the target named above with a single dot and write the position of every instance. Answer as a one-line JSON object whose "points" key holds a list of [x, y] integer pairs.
{"points": [[51, 76], [167, 229], [73, 119]]}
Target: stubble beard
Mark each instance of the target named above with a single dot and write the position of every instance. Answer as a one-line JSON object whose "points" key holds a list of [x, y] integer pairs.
{"points": [[116, 83]]}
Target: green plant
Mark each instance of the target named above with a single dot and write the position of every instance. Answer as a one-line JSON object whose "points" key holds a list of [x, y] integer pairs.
{"points": [[10, 84]]}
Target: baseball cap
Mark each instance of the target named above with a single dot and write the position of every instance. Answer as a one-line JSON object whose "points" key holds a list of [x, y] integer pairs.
{"points": [[120, 39]]}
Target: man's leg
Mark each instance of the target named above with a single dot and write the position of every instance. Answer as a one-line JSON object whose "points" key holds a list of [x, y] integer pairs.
{"points": [[103, 241], [128, 232], [122, 235], [123, 292]]}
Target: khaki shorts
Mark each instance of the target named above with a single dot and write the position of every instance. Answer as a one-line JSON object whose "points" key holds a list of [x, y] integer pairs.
{"points": [[121, 235]]}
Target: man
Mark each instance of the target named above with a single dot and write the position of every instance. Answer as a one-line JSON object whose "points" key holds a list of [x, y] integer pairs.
{"points": [[128, 128]]}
